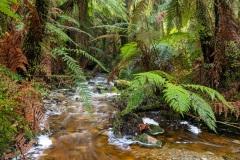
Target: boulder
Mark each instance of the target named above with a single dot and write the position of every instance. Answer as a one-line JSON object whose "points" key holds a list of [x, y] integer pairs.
{"points": [[149, 141], [155, 129]]}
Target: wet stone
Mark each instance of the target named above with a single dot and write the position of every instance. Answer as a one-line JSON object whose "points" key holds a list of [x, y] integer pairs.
{"points": [[149, 141], [155, 129]]}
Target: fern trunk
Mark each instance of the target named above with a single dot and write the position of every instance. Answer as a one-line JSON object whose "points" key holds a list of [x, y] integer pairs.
{"points": [[35, 31], [226, 54], [206, 34]]}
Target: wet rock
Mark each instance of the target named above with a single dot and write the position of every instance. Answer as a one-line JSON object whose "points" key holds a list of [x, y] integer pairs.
{"points": [[149, 141], [236, 141], [155, 129]]}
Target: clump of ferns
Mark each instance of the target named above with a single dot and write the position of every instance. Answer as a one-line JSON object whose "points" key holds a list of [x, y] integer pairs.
{"points": [[182, 98]]}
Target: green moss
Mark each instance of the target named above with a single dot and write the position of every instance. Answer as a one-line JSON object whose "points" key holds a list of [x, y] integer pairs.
{"points": [[155, 129]]}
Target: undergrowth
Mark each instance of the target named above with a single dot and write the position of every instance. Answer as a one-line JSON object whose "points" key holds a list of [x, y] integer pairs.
{"points": [[182, 98]]}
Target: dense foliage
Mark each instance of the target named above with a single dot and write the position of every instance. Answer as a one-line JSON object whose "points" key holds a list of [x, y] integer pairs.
{"points": [[172, 51]]}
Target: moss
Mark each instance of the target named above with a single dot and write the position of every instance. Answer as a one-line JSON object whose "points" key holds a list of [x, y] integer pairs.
{"points": [[155, 129], [149, 141]]}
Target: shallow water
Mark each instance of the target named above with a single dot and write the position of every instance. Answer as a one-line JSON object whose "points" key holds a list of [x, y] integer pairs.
{"points": [[75, 135]]}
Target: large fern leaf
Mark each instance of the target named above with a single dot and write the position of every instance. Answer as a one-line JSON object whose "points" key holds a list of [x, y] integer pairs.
{"points": [[177, 97], [141, 86], [134, 100], [204, 110], [78, 77], [5, 8], [148, 78], [210, 92], [138, 11], [82, 52]]}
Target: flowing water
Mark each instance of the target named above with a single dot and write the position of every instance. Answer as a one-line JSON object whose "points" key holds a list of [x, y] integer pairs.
{"points": [[75, 135]]}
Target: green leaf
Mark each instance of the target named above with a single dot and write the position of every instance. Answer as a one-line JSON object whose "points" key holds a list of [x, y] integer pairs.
{"points": [[177, 97], [204, 110], [209, 91]]}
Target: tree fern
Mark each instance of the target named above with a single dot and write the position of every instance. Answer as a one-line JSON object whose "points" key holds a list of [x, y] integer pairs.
{"points": [[138, 10], [177, 97], [174, 15], [180, 98]]}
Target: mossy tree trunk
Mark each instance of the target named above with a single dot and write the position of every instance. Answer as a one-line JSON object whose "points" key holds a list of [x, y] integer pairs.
{"points": [[35, 31]]}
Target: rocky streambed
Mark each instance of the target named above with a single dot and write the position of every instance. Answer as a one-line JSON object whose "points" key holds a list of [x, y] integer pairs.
{"points": [[74, 134]]}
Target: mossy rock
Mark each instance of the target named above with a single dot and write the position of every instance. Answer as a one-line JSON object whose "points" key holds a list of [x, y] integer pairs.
{"points": [[155, 129], [114, 89], [102, 91], [146, 140], [121, 84]]}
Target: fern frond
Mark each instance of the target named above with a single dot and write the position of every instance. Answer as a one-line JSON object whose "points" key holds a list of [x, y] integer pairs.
{"points": [[129, 49], [177, 97], [82, 52], [69, 19], [138, 11], [211, 92], [6, 9], [204, 110], [11, 53], [115, 8], [135, 99], [59, 33], [163, 74], [78, 77], [74, 29], [174, 15], [141, 86], [149, 78]]}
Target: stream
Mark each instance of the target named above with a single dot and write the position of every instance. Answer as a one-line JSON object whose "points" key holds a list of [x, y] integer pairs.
{"points": [[75, 135]]}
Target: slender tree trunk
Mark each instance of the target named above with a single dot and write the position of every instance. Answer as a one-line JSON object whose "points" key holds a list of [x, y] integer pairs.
{"points": [[83, 18]]}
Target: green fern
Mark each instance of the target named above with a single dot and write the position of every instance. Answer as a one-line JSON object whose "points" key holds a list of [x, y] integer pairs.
{"points": [[180, 98], [9, 73], [139, 10], [142, 85], [5, 8], [129, 49], [78, 77], [211, 92], [82, 52], [148, 78], [164, 75], [59, 33], [177, 97], [203, 108], [135, 99]]}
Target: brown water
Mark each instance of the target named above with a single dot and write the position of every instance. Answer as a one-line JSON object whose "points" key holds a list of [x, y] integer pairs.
{"points": [[77, 136]]}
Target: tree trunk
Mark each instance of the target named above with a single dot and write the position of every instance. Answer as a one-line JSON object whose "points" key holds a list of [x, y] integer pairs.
{"points": [[35, 30], [206, 34], [226, 52]]}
